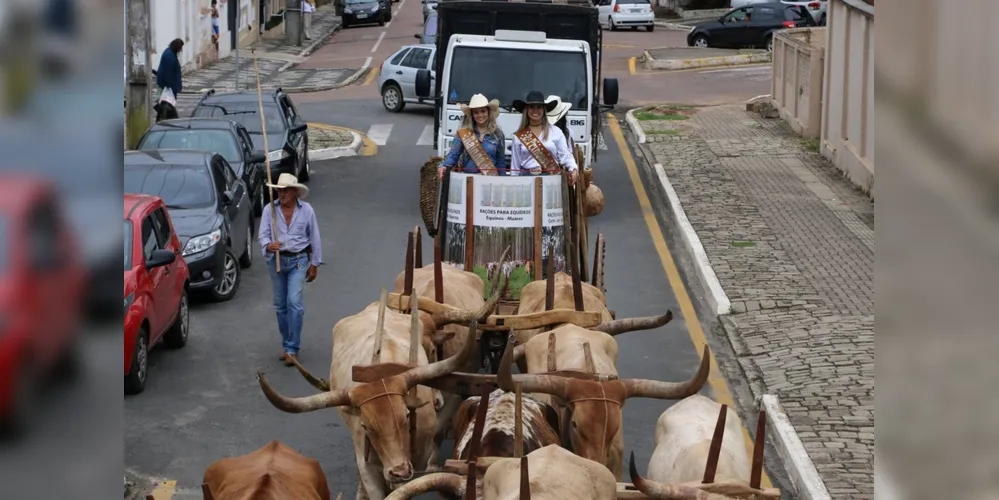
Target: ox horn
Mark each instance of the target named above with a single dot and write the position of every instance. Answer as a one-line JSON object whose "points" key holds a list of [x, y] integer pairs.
{"points": [[638, 388], [420, 374], [633, 324], [547, 384], [304, 404], [319, 383], [444, 482], [445, 318], [660, 491]]}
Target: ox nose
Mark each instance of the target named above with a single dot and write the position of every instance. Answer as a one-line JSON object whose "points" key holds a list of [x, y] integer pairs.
{"points": [[401, 472]]}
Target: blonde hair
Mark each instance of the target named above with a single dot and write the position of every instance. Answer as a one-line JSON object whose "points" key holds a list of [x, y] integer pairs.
{"points": [[525, 123], [490, 128]]}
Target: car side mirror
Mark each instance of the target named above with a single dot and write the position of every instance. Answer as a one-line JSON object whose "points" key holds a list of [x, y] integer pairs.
{"points": [[423, 83], [159, 258], [298, 129], [258, 157], [610, 91], [227, 198]]}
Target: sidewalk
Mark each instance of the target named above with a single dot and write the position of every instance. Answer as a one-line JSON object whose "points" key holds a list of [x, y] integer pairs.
{"points": [[277, 64], [792, 246]]}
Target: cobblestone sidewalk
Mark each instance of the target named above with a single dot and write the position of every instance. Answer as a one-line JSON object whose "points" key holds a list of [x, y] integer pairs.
{"points": [[327, 138], [792, 244]]}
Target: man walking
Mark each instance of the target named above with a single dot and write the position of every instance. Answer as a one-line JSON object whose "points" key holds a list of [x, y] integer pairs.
{"points": [[295, 241], [308, 8], [168, 76]]}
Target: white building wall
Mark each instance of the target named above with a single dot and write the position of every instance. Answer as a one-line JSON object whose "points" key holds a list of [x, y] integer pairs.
{"points": [[190, 20]]}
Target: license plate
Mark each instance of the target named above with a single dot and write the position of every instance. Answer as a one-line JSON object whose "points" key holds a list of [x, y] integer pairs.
{"points": [[362, 16], [637, 11]]}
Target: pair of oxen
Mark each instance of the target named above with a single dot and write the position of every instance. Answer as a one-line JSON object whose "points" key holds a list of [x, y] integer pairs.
{"points": [[400, 405]]}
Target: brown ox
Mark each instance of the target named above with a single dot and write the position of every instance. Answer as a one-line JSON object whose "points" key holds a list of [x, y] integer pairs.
{"points": [[380, 410], [553, 474], [533, 295], [594, 401], [273, 472]]}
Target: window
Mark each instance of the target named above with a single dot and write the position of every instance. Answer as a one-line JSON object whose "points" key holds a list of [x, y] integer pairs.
{"points": [[44, 248], [247, 143], [473, 71], [149, 242], [128, 245], [739, 16], [289, 109], [218, 141], [397, 60], [230, 176], [180, 186], [433, 62], [417, 58], [766, 13], [162, 227], [246, 114], [643, 2], [431, 28]]}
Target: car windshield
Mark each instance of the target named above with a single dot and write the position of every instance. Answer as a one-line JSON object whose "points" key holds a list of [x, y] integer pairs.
{"points": [[180, 186], [219, 141], [473, 71], [128, 245], [355, 2], [244, 113]]}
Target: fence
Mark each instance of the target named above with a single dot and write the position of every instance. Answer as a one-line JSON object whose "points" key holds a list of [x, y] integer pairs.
{"points": [[847, 137], [796, 88]]}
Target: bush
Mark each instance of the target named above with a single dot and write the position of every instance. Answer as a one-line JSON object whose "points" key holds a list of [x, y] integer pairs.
{"points": [[137, 125]]}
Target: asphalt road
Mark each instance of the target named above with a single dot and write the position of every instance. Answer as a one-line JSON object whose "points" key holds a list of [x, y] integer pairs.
{"points": [[203, 403]]}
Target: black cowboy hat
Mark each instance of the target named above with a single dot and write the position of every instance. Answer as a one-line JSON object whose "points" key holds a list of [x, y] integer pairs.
{"points": [[533, 97]]}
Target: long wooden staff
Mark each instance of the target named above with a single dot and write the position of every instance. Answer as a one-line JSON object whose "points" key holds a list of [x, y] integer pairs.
{"points": [[267, 160]]}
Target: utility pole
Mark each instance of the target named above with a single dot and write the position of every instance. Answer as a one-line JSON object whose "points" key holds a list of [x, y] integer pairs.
{"points": [[294, 23], [235, 3], [140, 77]]}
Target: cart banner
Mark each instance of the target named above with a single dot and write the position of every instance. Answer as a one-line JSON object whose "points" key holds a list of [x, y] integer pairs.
{"points": [[505, 201]]}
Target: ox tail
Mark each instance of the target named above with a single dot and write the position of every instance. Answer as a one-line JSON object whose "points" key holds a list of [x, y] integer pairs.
{"points": [[633, 324], [319, 383], [441, 482]]}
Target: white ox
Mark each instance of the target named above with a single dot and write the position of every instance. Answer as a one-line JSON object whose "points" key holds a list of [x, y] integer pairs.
{"points": [[554, 473]]}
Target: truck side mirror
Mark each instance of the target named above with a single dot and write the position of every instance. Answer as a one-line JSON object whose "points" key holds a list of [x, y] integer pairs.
{"points": [[423, 83], [610, 91]]}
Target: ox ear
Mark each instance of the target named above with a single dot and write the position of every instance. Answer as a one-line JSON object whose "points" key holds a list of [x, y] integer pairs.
{"points": [[413, 403]]}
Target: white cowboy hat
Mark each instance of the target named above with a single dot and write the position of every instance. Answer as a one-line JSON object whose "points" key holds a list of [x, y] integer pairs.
{"points": [[480, 101], [290, 181], [560, 109]]}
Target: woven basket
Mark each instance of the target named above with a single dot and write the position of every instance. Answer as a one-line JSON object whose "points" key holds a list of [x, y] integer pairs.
{"points": [[429, 193]]}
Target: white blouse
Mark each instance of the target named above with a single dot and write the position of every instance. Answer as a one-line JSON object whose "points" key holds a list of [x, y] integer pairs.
{"points": [[522, 160]]}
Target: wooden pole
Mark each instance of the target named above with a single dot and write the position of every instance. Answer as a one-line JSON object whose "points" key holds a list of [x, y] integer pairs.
{"points": [[267, 160], [538, 226], [518, 419], [407, 284], [469, 223], [418, 256], [438, 271], [714, 450], [380, 328], [756, 474]]}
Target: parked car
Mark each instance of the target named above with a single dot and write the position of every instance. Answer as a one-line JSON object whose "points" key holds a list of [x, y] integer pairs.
{"points": [[429, 7], [156, 280], [817, 8], [225, 137], [429, 34], [210, 210], [42, 281], [616, 14], [397, 76], [287, 133], [749, 26], [365, 12]]}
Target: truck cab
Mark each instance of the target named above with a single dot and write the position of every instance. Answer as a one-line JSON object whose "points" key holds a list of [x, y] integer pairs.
{"points": [[553, 48]]}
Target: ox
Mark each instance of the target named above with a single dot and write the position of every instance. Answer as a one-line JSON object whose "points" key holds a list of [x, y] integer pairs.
{"points": [[553, 473], [380, 410], [534, 295], [697, 440], [594, 400], [274, 471]]}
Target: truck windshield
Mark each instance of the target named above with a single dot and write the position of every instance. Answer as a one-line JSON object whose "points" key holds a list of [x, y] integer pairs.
{"points": [[509, 74]]}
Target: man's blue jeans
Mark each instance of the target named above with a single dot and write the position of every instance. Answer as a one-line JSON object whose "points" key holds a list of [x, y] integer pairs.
{"points": [[288, 303]]}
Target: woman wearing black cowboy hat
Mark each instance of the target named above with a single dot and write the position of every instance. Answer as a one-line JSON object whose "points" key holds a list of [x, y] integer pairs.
{"points": [[538, 146]]}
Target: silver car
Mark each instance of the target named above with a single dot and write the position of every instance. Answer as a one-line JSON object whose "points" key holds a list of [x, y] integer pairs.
{"points": [[397, 75], [428, 7]]}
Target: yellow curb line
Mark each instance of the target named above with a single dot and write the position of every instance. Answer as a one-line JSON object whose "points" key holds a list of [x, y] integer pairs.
{"points": [[369, 148], [372, 75], [716, 380], [631, 65], [164, 490]]}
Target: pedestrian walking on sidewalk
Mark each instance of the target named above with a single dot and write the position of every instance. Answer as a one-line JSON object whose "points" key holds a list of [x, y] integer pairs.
{"points": [[299, 248], [308, 7], [169, 80]]}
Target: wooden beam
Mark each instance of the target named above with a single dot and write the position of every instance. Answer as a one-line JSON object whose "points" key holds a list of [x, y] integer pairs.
{"points": [[530, 321], [461, 466]]}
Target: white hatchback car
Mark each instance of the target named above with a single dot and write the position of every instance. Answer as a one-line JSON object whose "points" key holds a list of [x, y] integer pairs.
{"points": [[397, 75], [616, 14], [817, 8]]}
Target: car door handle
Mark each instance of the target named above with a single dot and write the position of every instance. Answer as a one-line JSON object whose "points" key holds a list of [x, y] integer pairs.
{"points": [[398, 72]]}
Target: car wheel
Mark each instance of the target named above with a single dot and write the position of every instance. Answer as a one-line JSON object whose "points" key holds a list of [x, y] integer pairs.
{"points": [[306, 168], [176, 336], [650, 27], [700, 41], [392, 98], [258, 205], [770, 43], [610, 23], [246, 260], [822, 20], [226, 289], [381, 23], [135, 381]]}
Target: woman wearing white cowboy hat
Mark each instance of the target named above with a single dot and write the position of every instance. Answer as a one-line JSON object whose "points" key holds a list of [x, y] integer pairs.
{"points": [[299, 247], [557, 117], [479, 146], [537, 141]]}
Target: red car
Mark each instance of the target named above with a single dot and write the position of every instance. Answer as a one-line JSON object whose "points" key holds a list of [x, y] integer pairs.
{"points": [[41, 284], [156, 279]]}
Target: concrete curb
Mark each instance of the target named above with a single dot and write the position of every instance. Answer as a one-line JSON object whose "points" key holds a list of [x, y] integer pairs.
{"points": [[673, 26], [800, 468], [318, 42], [329, 153], [349, 81], [703, 62], [636, 128], [717, 298]]}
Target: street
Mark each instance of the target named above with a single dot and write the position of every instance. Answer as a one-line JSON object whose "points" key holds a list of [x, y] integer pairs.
{"points": [[203, 403]]}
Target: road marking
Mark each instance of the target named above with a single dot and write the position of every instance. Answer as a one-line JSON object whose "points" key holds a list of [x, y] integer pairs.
{"points": [[705, 70], [427, 137], [631, 66], [380, 133], [372, 75], [716, 380], [164, 490], [378, 42]]}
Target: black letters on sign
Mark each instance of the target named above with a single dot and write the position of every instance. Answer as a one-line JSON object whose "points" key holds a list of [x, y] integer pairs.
{"points": [[454, 118], [577, 123]]}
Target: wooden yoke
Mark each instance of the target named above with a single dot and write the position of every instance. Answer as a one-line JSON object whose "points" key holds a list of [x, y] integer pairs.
{"points": [[505, 322]]}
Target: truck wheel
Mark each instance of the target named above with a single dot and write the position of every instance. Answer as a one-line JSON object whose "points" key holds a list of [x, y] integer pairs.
{"points": [[392, 98], [135, 381]]}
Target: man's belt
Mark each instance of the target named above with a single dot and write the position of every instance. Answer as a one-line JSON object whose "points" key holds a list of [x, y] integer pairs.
{"points": [[286, 253]]}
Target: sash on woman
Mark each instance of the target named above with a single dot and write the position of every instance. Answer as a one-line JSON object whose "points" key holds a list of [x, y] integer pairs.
{"points": [[538, 151], [474, 149]]}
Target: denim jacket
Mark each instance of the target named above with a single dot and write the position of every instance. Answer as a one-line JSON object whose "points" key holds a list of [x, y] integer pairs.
{"points": [[493, 145]]}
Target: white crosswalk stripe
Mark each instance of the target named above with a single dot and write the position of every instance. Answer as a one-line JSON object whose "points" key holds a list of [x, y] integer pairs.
{"points": [[427, 137], [379, 133], [389, 133]]}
